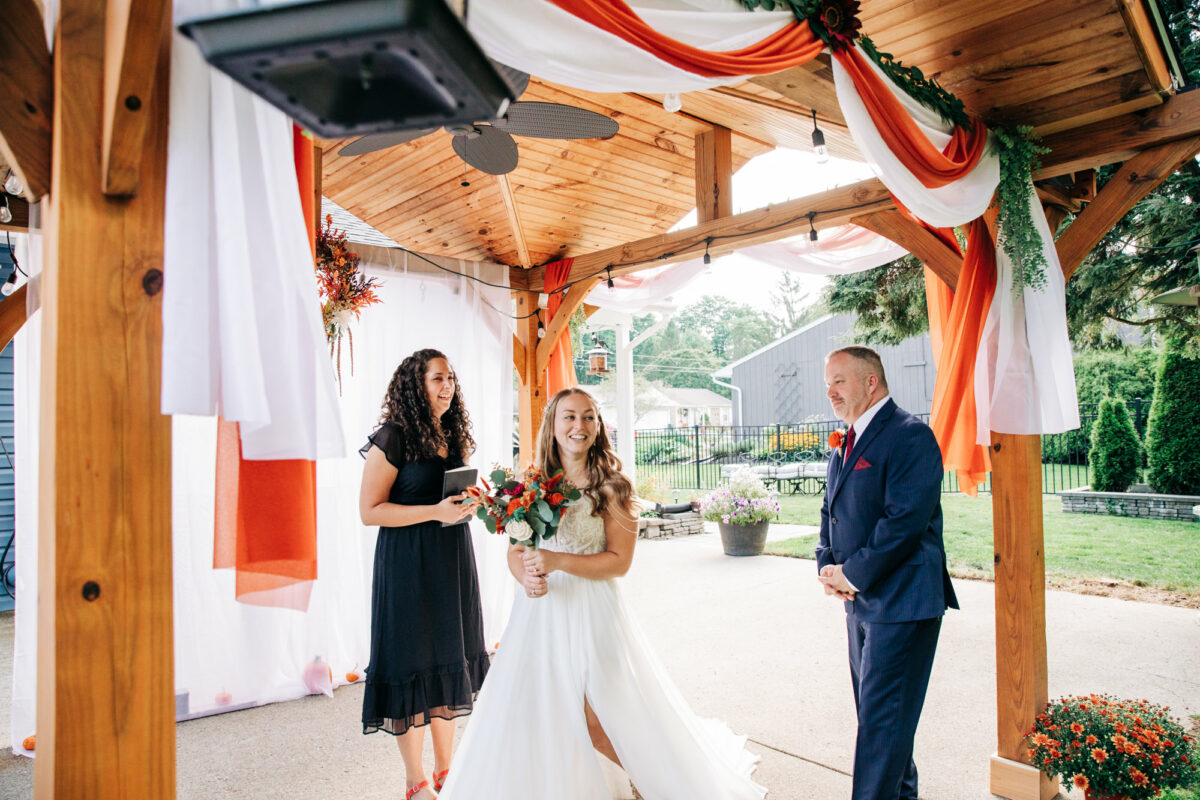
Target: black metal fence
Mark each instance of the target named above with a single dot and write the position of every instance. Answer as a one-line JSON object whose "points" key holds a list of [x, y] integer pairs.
{"points": [[700, 457]]}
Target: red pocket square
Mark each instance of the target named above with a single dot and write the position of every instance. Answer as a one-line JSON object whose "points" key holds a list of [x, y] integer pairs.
{"points": [[862, 464]]}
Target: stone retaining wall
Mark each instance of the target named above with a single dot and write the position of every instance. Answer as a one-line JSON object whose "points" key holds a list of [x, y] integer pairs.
{"points": [[1130, 504], [687, 522]]}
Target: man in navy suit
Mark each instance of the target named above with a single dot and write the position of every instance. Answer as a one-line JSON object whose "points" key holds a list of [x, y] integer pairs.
{"points": [[881, 552]]}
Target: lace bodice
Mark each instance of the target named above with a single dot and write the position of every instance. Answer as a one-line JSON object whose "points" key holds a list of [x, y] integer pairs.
{"points": [[579, 532]]}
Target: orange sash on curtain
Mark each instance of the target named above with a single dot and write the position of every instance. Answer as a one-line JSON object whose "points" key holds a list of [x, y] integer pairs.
{"points": [[266, 511], [788, 47], [901, 133], [956, 319], [560, 368]]}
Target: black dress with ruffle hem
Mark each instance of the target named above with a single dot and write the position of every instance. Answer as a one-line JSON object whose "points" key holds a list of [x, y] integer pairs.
{"points": [[427, 653]]}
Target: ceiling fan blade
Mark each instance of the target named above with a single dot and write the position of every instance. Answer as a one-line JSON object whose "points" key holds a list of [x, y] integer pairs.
{"points": [[556, 121], [517, 81], [378, 141], [492, 151]]}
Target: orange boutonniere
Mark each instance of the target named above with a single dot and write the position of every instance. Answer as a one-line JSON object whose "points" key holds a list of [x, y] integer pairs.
{"points": [[835, 440]]}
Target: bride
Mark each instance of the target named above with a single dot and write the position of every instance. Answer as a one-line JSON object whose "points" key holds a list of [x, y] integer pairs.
{"points": [[575, 671]]}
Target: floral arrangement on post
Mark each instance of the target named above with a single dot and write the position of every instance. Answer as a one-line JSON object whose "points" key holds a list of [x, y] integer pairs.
{"points": [[345, 290], [1112, 748], [745, 501], [527, 507]]}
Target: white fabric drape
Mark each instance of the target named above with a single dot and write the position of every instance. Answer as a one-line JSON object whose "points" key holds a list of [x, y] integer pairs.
{"points": [[838, 251], [242, 330], [543, 40], [228, 654], [1024, 373]]}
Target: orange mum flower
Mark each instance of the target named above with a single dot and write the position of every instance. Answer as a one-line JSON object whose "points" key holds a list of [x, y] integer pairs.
{"points": [[1080, 782], [1138, 777], [1076, 727], [1090, 740], [1099, 756]]}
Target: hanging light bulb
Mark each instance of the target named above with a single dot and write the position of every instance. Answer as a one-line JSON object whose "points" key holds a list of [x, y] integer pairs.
{"points": [[5, 211], [12, 184], [818, 139], [812, 231], [10, 284], [707, 257], [672, 102], [609, 282], [541, 327]]}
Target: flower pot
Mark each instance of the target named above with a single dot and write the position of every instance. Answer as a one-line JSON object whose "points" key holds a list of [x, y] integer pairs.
{"points": [[744, 540]]}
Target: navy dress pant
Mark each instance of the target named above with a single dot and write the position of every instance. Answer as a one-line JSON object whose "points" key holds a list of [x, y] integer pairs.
{"points": [[890, 664]]}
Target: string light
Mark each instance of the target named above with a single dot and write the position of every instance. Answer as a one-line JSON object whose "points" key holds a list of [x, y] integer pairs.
{"points": [[812, 231], [541, 327], [609, 282], [10, 284], [5, 212], [818, 140], [707, 257], [12, 184], [672, 102]]}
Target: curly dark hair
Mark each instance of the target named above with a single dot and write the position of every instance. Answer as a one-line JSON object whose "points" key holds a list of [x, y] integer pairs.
{"points": [[406, 405]]}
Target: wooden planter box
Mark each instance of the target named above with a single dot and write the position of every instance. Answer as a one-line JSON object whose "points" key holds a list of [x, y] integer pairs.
{"points": [[1131, 504]]}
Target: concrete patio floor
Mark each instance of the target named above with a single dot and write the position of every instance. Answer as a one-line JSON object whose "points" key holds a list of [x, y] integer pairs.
{"points": [[752, 641]]}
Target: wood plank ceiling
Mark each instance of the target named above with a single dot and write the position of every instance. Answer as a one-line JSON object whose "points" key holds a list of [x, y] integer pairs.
{"points": [[1054, 65]]}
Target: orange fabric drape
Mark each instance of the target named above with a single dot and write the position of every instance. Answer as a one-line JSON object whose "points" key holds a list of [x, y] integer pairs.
{"points": [[956, 319], [901, 133], [266, 511], [789, 46], [560, 368]]}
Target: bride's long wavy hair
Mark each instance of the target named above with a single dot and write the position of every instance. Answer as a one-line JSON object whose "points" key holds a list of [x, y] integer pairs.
{"points": [[406, 405], [603, 465]]}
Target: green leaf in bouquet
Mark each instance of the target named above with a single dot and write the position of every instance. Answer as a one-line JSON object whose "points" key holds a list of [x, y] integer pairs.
{"points": [[511, 540], [509, 485], [482, 513], [549, 532], [498, 477], [573, 494], [535, 522], [543, 510], [490, 522]]}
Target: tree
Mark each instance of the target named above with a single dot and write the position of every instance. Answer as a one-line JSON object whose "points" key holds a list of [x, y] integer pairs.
{"points": [[734, 329], [1115, 454], [643, 395], [789, 297], [889, 301], [1173, 437], [1127, 374]]}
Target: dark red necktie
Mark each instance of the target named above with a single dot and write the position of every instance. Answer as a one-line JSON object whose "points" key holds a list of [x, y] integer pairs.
{"points": [[849, 444]]}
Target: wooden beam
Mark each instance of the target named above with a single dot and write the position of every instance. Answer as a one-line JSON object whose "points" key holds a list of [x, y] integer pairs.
{"points": [[531, 395], [1085, 186], [519, 357], [809, 84], [1053, 195], [833, 208], [1121, 138], [1020, 572], [572, 300], [106, 685], [514, 220], [915, 239], [1144, 35], [1136, 178], [27, 75], [318, 184], [1055, 214], [714, 174], [13, 314], [130, 54], [20, 212]]}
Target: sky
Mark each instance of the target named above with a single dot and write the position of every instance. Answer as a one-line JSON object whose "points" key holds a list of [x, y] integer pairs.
{"points": [[772, 177]]}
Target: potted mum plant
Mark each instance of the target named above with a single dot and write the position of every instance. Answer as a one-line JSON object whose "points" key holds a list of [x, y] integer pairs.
{"points": [[742, 510], [1112, 749]]}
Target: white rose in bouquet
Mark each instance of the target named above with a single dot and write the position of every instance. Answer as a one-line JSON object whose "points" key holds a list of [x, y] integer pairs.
{"points": [[519, 529]]}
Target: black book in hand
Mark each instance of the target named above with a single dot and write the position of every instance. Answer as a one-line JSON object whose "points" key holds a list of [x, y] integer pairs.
{"points": [[455, 482]]}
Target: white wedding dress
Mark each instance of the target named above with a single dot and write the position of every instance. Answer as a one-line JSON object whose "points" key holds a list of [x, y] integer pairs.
{"points": [[527, 738]]}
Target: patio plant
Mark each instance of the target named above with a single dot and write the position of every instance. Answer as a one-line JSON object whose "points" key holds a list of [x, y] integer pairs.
{"points": [[742, 510], [1173, 436], [1116, 453], [1111, 748]]}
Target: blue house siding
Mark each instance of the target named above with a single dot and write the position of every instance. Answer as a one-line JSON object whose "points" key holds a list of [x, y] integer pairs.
{"points": [[7, 520], [784, 382]]}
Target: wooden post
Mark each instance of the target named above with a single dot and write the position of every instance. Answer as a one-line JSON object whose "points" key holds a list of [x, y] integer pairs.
{"points": [[714, 174], [1020, 568], [531, 397], [105, 707]]}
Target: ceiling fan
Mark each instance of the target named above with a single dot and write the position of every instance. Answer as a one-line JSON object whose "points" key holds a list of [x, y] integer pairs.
{"points": [[489, 146]]}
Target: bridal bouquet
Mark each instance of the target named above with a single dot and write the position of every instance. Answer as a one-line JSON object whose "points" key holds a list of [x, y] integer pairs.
{"points": [[526, 507]]}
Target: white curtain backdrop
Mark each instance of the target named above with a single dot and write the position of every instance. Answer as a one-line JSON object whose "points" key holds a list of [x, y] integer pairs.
{"points": [[228, 654]]}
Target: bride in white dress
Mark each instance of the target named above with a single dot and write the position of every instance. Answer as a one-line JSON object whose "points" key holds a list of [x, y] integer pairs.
{"points": [[575, 671]]}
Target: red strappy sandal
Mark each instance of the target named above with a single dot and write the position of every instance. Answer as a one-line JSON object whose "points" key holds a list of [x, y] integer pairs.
{"points": [[422, 785], [439, 779]]}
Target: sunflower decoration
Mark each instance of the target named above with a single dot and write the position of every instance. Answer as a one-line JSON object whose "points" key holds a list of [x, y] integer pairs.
{"points": [[838, 21], [345, 290]]}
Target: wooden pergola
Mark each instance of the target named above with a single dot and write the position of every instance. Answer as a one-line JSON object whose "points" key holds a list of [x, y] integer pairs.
{"points": [[85, 128]]}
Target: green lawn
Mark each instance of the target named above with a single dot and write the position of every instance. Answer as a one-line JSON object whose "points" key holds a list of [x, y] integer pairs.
{"points": [[1164, 555]]}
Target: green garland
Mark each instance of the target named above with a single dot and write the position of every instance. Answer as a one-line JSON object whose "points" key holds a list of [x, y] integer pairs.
{"points": [[801, 8], [926, 91], [1019, 154]]}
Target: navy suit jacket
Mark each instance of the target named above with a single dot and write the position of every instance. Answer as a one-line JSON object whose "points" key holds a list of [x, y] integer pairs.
{"points": [[882, 521]]}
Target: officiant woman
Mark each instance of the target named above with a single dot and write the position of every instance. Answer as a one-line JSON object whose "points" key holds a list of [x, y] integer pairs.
{"points": [[428, 658]]}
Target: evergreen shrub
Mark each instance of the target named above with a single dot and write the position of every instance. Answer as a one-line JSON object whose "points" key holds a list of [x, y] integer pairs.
{"points": [[1116, 453], [1173, 437]]}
